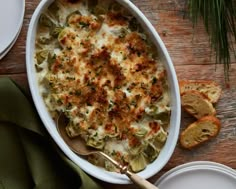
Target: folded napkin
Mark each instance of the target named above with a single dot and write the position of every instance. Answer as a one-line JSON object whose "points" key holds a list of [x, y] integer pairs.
{"points": [[29, 159]]}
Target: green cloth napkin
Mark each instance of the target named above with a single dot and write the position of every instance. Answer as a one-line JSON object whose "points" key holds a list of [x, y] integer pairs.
{"points": [[29, 159]]}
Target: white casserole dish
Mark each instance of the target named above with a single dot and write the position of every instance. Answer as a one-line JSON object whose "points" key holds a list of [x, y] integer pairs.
{"points": [[95, 171]]}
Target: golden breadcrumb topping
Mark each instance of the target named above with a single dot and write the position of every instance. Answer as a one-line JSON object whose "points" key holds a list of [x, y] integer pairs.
{"points": [[105, 77]]}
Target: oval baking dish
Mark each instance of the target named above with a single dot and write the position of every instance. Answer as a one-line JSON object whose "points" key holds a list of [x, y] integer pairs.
{"points": [[174, 123]]}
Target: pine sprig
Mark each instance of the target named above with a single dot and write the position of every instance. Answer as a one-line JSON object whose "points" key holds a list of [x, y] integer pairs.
{"points": [[219, 20]]}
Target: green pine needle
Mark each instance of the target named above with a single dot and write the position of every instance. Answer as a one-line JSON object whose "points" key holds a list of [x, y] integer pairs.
{"points": [[219, 20]]}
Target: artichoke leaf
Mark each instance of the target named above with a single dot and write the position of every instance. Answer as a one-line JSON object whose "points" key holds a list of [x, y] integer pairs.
{"points": [[138, 163], [72, 130], [95, 142], [53, 9], [45, 40], [141, 133], [77, 12], [51, 59], [135, 150], [163, 116], [151, 152], [45, 20], [38, 68], [55, 31], [161, 135], [41, 56]]}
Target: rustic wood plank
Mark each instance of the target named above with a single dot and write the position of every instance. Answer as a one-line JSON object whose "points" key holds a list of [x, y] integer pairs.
{"points": [[191, 55], [170, 5], [207, 72]]}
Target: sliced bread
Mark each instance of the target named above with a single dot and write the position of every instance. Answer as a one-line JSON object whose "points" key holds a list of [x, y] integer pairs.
{"points": [[200, 131], [197, 104], [210, 88]]}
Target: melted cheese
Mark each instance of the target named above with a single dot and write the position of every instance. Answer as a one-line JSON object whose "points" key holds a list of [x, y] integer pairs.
{"points": [[105, 79]]}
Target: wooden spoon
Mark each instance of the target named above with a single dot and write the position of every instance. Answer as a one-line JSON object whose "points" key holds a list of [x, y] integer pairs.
{"points": [[78, 146]]}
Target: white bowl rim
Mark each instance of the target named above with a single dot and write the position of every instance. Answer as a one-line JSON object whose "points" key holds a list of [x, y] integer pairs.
{"points": [[101, 174], [10, 34]]}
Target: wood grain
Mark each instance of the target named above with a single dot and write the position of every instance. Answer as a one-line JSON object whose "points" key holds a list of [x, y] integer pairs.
{"points": [[192, 58]]}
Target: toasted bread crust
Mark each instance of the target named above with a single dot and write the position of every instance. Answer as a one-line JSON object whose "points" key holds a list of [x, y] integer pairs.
{"points": [[200, 131], [210, 88], [197, 104]]}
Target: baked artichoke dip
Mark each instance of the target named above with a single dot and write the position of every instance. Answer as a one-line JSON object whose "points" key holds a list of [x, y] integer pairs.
{"points": [[96, 65]]}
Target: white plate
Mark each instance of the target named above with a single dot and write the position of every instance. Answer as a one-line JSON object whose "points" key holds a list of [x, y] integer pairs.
{"points": [[2, 54], [11, 19], [199, 174]]}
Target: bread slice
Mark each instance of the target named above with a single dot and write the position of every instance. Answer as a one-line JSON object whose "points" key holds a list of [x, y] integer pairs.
{"points": [[210, 88], [200, 131], [197, 104]]}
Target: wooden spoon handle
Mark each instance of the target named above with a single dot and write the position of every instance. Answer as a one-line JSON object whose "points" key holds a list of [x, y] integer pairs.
{"points": [[139, 181]]}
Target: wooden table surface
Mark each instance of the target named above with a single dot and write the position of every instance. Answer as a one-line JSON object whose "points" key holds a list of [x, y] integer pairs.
{"points": [[191, 54]]}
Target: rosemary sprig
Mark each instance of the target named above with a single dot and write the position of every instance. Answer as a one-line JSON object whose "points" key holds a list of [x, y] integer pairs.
{"points": [[219, 20]]}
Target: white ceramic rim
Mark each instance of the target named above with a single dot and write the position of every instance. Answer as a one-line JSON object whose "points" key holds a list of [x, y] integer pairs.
{"points": [[11, 38], [197, 165], [101, 174]]}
